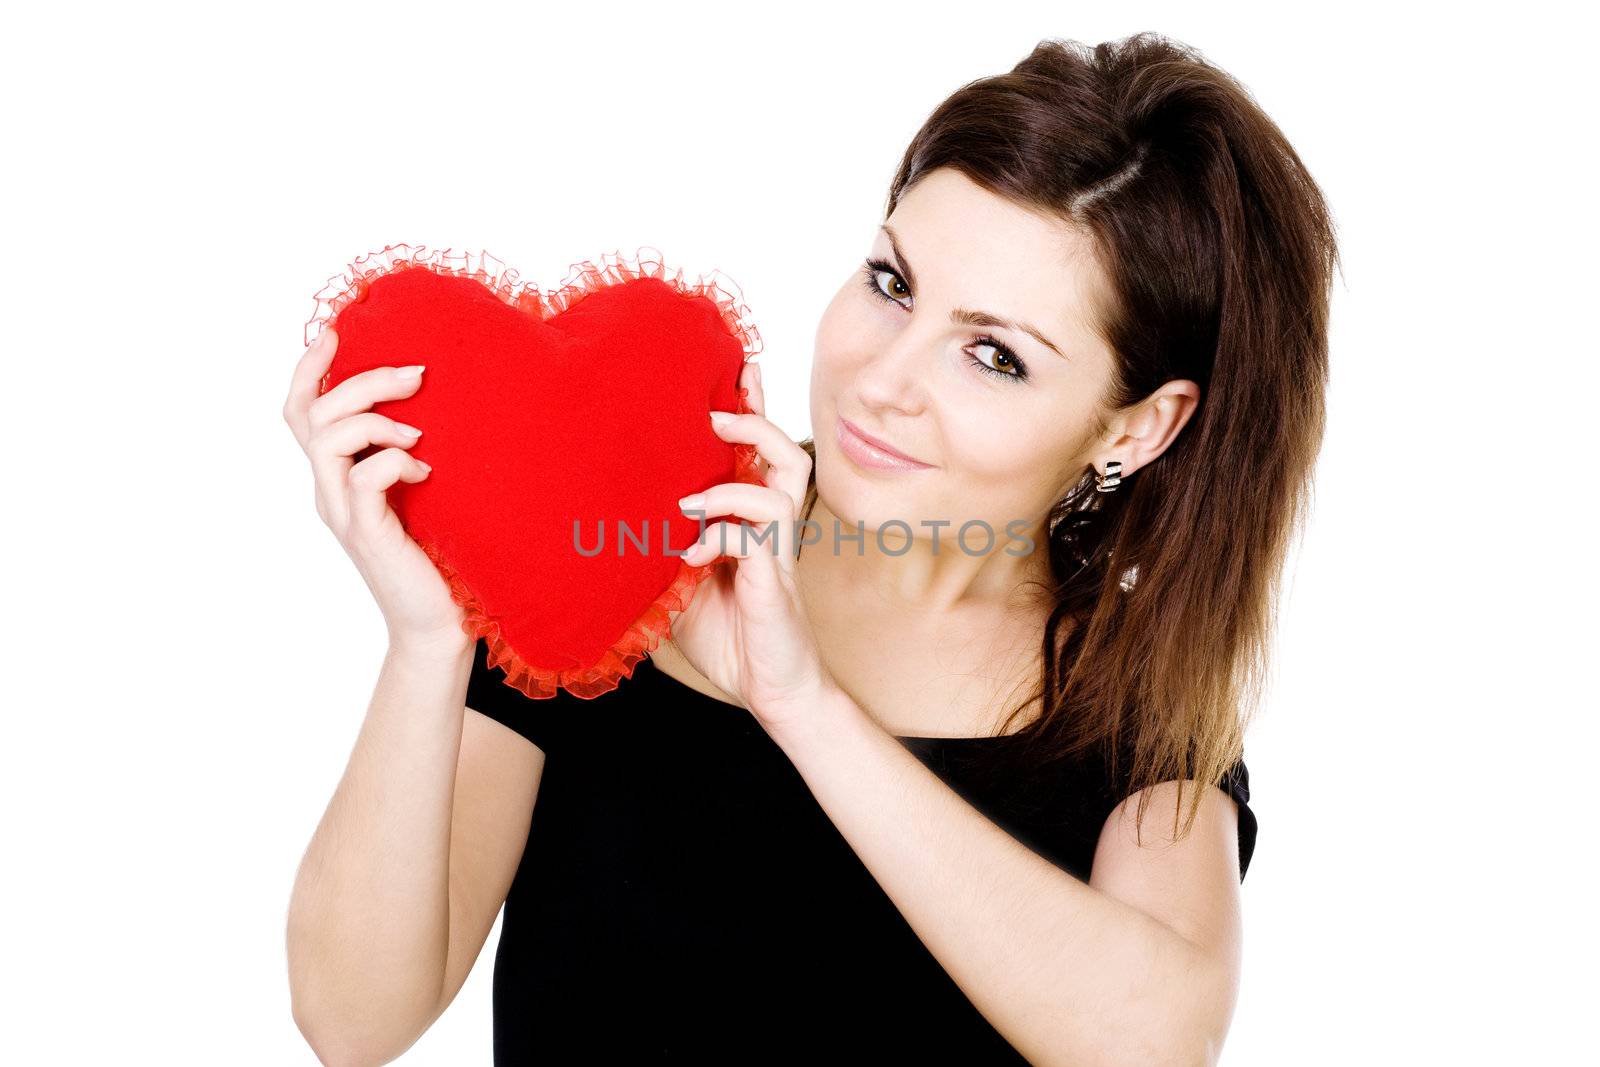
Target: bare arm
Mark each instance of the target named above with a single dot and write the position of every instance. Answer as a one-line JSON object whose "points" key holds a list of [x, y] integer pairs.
{"points": [[410, 863], [1137, 966]]}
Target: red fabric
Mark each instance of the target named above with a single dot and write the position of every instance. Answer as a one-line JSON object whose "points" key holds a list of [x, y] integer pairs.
{"points": [[588, 402]]}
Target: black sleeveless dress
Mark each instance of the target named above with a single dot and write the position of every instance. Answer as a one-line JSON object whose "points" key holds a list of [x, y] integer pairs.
{"points": [[684, 898]]}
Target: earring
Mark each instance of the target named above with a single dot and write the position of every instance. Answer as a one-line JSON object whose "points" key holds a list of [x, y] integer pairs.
{"points": [[1111, 479]]}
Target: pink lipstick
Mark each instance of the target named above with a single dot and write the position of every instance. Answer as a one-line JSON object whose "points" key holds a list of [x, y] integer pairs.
{"points": [[872, 453]]}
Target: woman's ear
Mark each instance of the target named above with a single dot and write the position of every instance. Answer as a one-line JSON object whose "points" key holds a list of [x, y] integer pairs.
{"points": [[1140, 432]]}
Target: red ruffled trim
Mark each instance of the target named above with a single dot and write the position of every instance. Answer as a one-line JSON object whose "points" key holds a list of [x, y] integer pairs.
{"points": [[584, 277]]}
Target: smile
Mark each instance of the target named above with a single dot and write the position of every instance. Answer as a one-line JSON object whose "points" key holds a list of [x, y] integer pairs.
{"points": [[871, 453]]}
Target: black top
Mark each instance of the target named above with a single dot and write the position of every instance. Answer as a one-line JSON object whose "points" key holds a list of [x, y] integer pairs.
{"points": [[684, 898]]}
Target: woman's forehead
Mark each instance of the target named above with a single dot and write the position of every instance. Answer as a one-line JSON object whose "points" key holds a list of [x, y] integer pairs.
{"points": [[965, 246]]}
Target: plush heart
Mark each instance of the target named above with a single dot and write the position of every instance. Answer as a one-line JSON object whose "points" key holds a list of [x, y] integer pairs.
{"points": [[562, 428]]}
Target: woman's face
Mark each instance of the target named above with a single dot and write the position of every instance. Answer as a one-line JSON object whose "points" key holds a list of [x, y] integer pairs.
{"points": [[1005, 424]]}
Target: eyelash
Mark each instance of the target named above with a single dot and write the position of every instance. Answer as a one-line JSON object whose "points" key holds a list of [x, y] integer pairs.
{"points": [[869, 275]]}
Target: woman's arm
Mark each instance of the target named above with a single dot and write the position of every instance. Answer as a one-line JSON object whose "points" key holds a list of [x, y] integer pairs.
{"points": [[1068, 972], [412, 859], [375, 953]]}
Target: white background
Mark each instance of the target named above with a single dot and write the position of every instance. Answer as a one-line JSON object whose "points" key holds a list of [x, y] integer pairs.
{"points": [[190, 653]]}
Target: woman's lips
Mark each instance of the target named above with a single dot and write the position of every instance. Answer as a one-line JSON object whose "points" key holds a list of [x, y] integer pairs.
{"points": [[868, 452]]}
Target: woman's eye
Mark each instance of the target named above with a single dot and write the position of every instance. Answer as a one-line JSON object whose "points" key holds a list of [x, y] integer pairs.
{"points": [[873, 271], [1005, 365]]}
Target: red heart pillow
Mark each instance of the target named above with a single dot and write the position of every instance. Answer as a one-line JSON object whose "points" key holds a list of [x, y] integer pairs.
{"points": [[586, 405]]}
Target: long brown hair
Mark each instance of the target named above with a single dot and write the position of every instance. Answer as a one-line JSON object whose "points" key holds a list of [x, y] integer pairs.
{"points": [[1220, 252]]}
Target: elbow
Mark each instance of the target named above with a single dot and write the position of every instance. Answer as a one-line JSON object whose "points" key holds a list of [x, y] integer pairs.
{"points": [[1195, 1037], [1189, 1049], [1197, 1040], [1204, 1050], [356, 1024], [331, 1043], [335, 1048], [337, 1043], [1163, 1050], [1202, 1002], [326, 1046], [347, 1039], [1186, 1028]]}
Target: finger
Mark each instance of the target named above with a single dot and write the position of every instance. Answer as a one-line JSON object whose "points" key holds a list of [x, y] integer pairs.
{"points": [[789, 465], [770, 511], [740, 541], [756, 503], [306, 382], [360, 391], [371, 478], [750, 380], [755, 399], [331, 450]]}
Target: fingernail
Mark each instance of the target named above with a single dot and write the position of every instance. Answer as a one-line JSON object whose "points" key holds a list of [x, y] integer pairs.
{"points": [[409, 431], [414, 371], [426, 466], [720, 418], [693, 500]]}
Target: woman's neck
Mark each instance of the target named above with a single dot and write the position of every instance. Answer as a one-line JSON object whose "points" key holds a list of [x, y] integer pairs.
{"points": [[920, 577]]}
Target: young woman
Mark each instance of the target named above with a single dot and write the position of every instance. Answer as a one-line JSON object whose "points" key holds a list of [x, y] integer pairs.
{"points": [[884, 791]]}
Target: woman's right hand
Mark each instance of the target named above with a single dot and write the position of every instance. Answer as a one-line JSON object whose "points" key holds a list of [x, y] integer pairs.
{"points": [[352, 494]]}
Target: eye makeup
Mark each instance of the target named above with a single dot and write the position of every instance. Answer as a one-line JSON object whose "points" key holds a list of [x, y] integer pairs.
{"points": [[1007, 363]]}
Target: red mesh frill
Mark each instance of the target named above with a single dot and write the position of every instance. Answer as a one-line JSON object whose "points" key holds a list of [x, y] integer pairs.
{"points": [[583, 278]]}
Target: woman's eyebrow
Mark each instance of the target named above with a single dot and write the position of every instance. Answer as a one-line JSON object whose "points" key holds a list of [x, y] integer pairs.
{"points": [[966, 316]]}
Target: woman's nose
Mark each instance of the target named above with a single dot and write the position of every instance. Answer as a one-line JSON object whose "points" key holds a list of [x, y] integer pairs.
{"points": [[896, 375]]}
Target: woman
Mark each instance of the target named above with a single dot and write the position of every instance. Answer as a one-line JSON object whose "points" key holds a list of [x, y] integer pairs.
{"points": [[886, 795]]}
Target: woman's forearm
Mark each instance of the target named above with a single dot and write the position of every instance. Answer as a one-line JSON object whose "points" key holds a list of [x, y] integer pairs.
{"points": [[369, 918], [1068, 974]]}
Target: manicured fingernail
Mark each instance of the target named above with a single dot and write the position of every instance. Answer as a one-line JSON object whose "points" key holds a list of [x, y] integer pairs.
{"points": [[426, 466], [412, 371], [693, 500], [409, 431], [720, 418]]}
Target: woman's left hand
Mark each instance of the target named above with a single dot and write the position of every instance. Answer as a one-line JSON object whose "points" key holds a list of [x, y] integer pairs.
{"points": [[746, 629]]}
